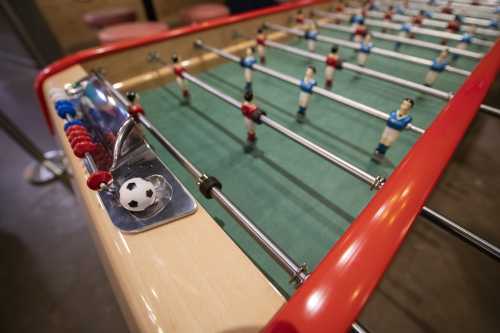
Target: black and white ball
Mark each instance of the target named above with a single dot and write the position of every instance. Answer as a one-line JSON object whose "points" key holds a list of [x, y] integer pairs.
{"points": [[137, 194]]}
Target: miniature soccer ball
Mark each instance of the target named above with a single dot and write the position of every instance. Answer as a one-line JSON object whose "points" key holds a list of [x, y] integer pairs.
{"points": [[137, 194]]}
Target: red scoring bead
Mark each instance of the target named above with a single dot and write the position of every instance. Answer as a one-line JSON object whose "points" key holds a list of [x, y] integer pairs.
{"points": [[82, 148], [80, 138], [98, 178], [75, 127], [74, 133]]}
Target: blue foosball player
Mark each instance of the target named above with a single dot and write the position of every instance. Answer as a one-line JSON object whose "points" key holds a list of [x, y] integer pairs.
{"points": [[365, 48], [397, 122], [247, 63], [438, 66], [306, 89]]}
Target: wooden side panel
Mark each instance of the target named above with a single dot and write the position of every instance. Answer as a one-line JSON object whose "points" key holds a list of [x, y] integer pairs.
{"points": [[65, 20], [187, 276], [169, 11], [123, 65]]}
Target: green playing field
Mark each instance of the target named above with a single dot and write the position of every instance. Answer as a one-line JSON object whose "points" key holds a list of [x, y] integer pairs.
{"points": [[298, 199]]}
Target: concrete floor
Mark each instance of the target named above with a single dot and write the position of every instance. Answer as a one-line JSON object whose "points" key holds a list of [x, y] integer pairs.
{"points": [[52, 280]]}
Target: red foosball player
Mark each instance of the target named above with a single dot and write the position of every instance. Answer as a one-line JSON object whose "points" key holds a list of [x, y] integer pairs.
{"points": [[360, 32], [261, 46], [181, 81], [453, 27], [388, 14], [333, 62], [448, 8], [300, 17], [251, 115], [418, 19]]}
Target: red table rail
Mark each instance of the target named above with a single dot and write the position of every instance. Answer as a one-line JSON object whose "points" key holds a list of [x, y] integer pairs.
{"points": [[334, 294]]}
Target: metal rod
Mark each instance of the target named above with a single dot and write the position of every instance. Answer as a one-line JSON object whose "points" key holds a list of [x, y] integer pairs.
{"points": [[374, 50], [431, 23], [448, 17], [480, 11], [320, 91], [473, 12], [414, 29], [297, 272], [464, 234], [374, 182], [29, 147], [378, 75], [465, 2], [384, 52], [404, 40]]}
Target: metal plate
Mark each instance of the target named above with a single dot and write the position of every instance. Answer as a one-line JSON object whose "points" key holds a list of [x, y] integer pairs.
{"points": [[146, 164]]}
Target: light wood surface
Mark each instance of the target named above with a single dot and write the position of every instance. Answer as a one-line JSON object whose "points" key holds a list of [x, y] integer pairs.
{"points": [[121, 66], [65, 19], [170, 10], [187, 276]]}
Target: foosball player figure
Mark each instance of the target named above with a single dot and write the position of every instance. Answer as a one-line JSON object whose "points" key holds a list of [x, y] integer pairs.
{"points": [[251, 115], [365, 47], [448, 8], [261, 46], [333, 62], [360, 32], [357, 19], [311, 34], [300, 17], [247, 63], [388, 14], [179, 78], [339, 8], [404, 32], [398, 121], [438, 66], [493, 23], [417, 21], [465, 40], [134, 99], [306, 89], [452, 27]]}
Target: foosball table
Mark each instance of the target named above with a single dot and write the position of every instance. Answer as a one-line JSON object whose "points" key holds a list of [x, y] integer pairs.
{"points": [[314, 132]]}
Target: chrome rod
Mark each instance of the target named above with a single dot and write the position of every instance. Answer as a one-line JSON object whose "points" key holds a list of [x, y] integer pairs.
{"points": [[320, 91], [404, 40], [297, 272], [462, 233], [464, 2], [374, 50], [479, 11], [447, 17], [374, 182], [427, 90], [414, 29], [431, 22], [378, 75], [474, 12]]}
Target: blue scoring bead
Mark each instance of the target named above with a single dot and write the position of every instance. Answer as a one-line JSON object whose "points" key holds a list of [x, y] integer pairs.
{"points": [[71, 123], [65, 108]]}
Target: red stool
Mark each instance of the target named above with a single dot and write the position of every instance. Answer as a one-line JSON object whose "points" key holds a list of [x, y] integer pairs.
{"points": [[204, 12], [124, 31], [102, 18]]}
